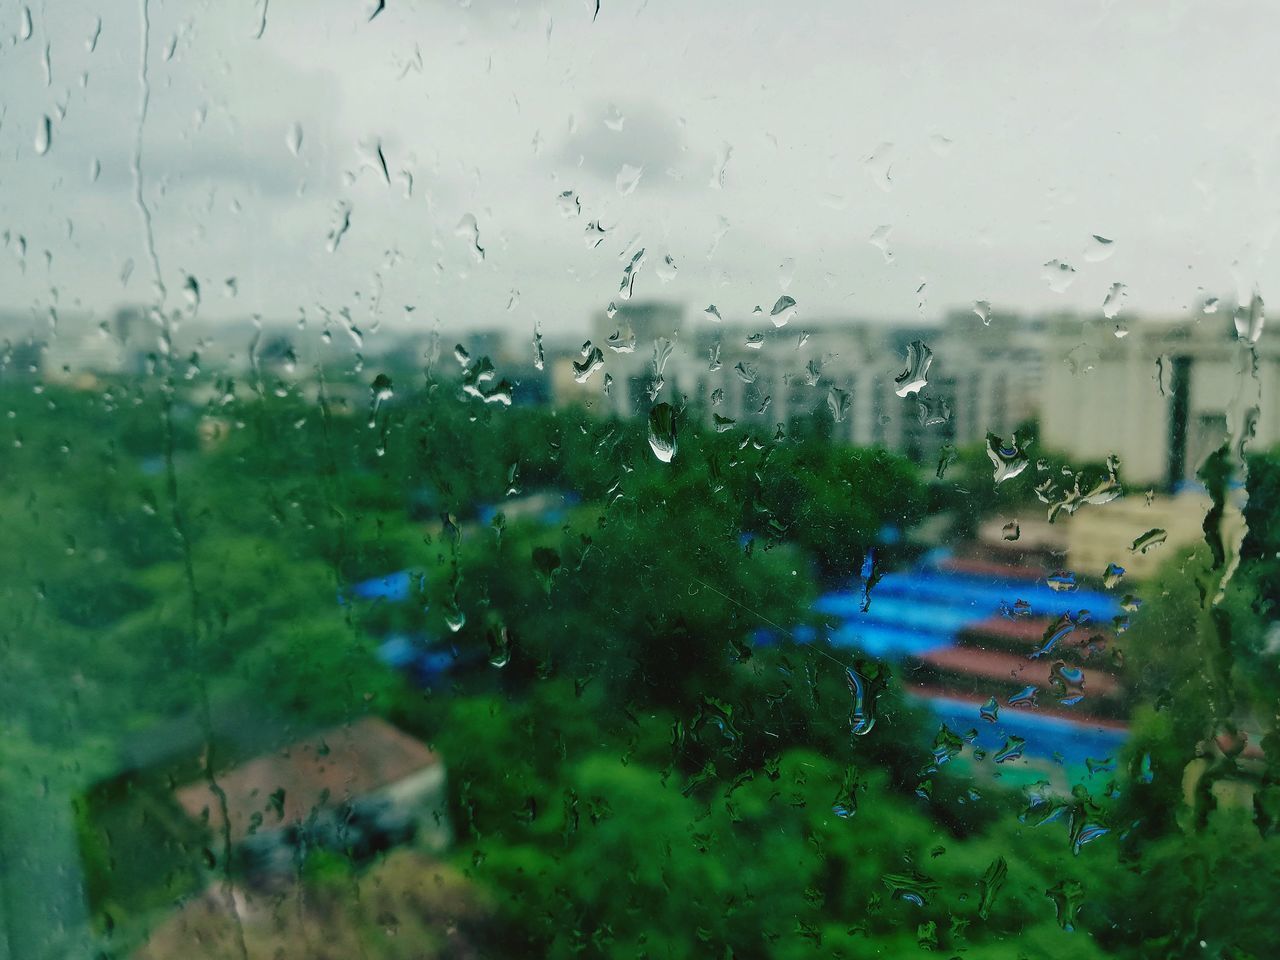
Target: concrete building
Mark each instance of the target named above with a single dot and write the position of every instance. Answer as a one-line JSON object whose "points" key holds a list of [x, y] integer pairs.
{"points": [[1162, 398]]}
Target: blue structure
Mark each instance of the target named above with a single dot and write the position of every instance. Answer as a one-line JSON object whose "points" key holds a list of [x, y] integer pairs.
{"points": [[394, 588], [916, 611]]}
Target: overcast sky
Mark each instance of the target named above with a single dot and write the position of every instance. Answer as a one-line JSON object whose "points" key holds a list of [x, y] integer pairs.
{"points": [[845, 152]]}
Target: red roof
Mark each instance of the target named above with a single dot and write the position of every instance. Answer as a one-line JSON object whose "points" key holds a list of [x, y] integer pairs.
{"points": [[324, 770], [1012, 668]]}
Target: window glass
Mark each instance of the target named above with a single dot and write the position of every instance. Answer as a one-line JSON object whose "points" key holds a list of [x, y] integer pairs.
{"points": [[638, 479]]}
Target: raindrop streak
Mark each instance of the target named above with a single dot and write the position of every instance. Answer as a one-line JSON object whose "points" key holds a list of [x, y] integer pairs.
{"points": [[1152, 538], [342, 224], [862, 715], [990, 885], [628, 179], [1009, 460], [44, 135], [293, 138], [722, 161], [1248, 320], [662, 432], [629, 273], [838, 402], [469, 231], [915, 376]]}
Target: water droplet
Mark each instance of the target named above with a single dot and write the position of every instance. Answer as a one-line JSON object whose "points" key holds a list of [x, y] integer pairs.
{"points": [[722, 162], [1011, 530], [628, 179], [879, 166], [593, 360], [786, 273], [990, 711], [1111, 576], [1012, 749], [911, 886], [1008, 460], [1099, 249], [1061, 580], [723, 424], [1114, 300], [1067, 683], [341, 224], [469, 230], [662, 432], [569, 203], [989, 887], [91, 44], [44, 135], [946, 746], [1152, 538], [24, 24], [838, 402], [870, 575], [293, 138], [1067, 896], [915, 375], [712, 313], [611, 310], [862, 714], [1249, 320], [746, 373], [880, 240], [1144, 769], [629, 273], [1059, 275], [666, 270], [594, 234], [1025, 697], [613, 118], [982, 310], [783, 311], [619, 343], [754, 342]]}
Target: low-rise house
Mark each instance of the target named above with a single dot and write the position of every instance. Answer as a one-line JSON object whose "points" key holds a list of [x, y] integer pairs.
{"points": [[361, 788]]}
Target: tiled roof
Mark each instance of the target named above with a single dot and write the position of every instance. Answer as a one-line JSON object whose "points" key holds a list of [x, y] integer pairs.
{"points": [[323, 770]]}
